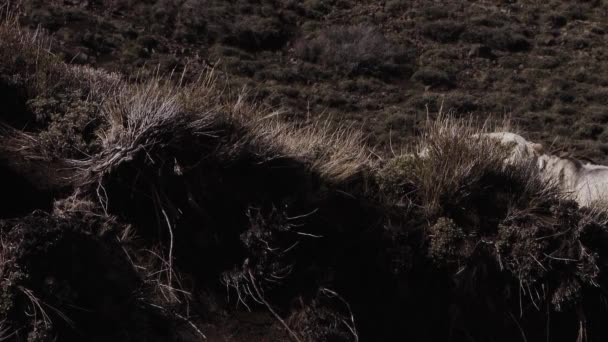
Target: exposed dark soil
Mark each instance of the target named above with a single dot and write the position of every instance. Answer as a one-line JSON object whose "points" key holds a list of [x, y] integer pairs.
{"points": [[19, 196]]}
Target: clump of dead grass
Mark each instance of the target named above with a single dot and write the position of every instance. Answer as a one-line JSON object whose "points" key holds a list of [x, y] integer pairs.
{"points": [[335, 154], [454, 163], [23, 52], [160, 139], [157, 112], [27, 56], [141, 118]]}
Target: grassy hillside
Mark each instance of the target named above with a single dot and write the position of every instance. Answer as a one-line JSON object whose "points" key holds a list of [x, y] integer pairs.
{"points": [[153, 205], [540, 62]]}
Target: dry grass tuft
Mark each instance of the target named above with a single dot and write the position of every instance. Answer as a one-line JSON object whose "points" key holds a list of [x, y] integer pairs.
{"points": [[454, 161], [28, 55], [140, 117], [25, 152], [24, 51], [159, 113], [336, 154]]}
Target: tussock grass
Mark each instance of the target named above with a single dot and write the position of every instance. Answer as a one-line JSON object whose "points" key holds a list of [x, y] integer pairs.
{"points": [[335, 154], [159, 113], [139, 117], [454, 162], [160, 139], [22, 50]]}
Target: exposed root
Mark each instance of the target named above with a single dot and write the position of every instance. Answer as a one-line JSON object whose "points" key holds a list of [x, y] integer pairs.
{"points": [[5, 331], [36, 310], [350, 325], [182, 318], [165, 279], [261, 298]]}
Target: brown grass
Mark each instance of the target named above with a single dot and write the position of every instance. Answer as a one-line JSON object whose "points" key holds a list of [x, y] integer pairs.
{"points": [[141, 116], [336, 154], [457, 158], [454, 161], [24, 51]]}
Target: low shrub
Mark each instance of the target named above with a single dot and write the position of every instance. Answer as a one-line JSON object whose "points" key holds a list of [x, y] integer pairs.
{"points": [[54, 267], [433, 77], [70, 124], [395, 177], [503, 38], [443, 31], [255, 33], [448, 242], [355, 50]]}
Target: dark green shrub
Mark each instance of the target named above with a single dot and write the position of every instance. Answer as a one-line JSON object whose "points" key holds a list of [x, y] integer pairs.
{"points": [[70, 124], [316, 7], [461, 103], [490, 21]]}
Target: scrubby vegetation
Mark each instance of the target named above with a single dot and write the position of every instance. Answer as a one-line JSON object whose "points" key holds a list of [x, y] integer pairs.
{"points": [[356, 50], [540, 62], [176, 210]]}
